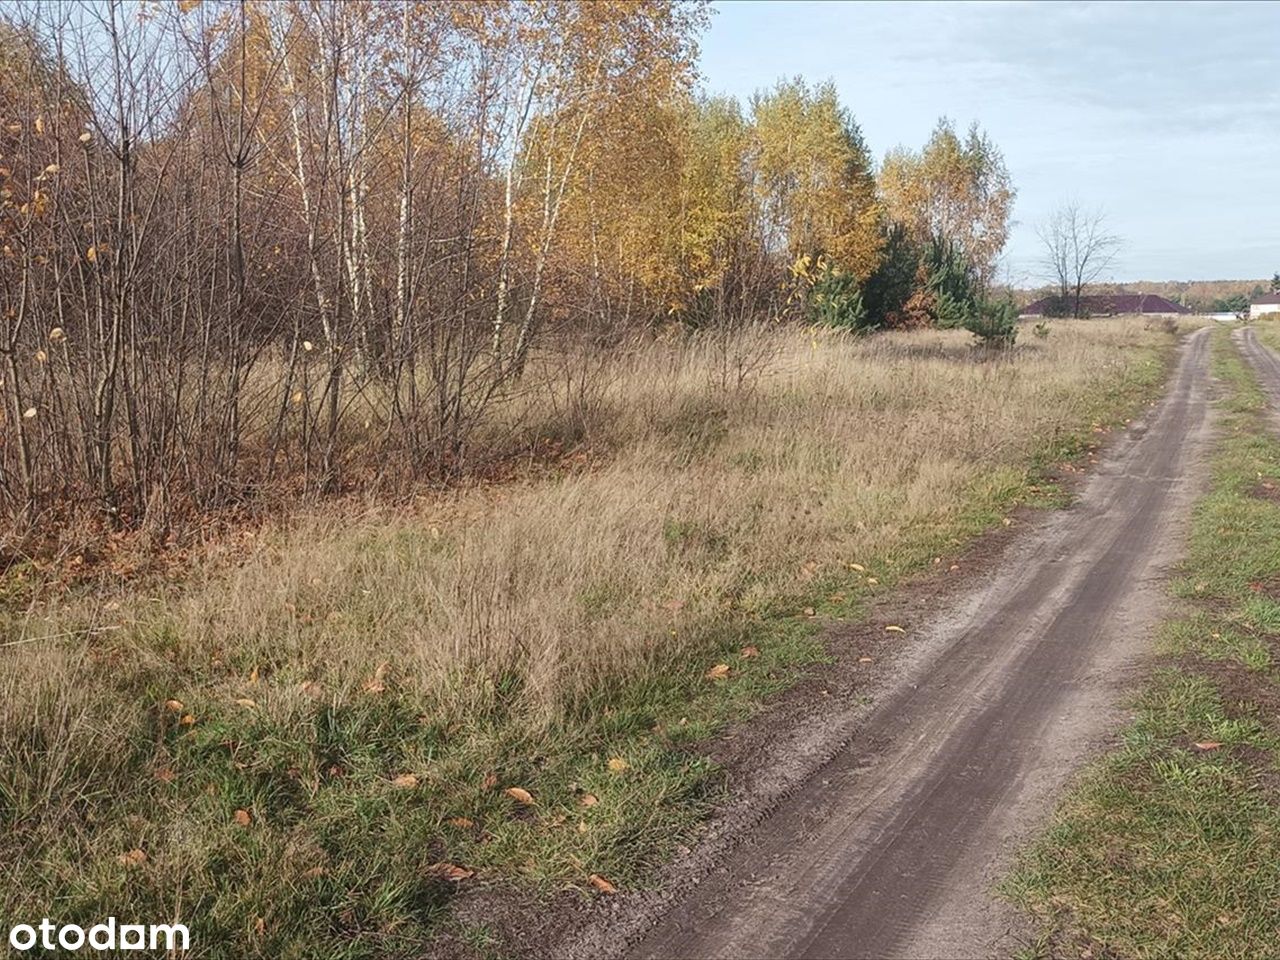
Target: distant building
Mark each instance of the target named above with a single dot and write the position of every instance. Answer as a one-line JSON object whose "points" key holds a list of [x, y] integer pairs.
{"points": [[1267, 303], [1106, 305]]}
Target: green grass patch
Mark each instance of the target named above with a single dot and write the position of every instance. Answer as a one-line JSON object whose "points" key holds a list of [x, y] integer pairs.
{"points": [[1169, 847]]}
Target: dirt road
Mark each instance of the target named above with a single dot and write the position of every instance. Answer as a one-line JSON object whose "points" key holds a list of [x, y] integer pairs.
{"points": [[1265, 363], [890, 848]]}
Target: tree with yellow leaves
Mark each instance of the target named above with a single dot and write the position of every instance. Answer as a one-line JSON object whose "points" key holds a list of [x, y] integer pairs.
{"points": [[956, 190], [813, 178]]}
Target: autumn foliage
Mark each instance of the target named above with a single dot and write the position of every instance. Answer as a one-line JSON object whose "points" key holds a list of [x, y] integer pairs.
{"points": [[259, 251]]}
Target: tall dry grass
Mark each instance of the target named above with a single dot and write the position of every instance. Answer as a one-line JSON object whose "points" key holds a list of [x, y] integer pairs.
{"points": [[488, 614], [709, 500]]}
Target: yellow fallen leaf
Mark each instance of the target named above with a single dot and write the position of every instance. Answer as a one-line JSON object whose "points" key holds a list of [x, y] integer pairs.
{"points": [[589, 800], [718, 672], [582, 826], [246, 702], [165, 775], [462, 823], [451, 871], [617, 764], [601, 884], [894, 628], [260, 926], [187, 720], [133, 858], [376, 683], [1208, 745], [857, 568], [520, 795], [173, 706], [242, 817], [872, 580], [405, 781], [749, 653]]}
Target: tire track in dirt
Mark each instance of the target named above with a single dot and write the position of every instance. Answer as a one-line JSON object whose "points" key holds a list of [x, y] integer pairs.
{"points": [[1264, 362], [891, 847]]}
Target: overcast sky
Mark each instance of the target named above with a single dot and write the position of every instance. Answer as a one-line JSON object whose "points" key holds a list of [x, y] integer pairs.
{"points": [[1167, 116]]}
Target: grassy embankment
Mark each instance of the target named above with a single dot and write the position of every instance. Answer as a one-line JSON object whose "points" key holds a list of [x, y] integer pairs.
{"points": [[1170, 847], [309, 752]]}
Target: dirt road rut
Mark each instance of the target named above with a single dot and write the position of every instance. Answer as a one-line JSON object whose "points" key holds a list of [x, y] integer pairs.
{"points": [[1265, 363], [890, 849]]}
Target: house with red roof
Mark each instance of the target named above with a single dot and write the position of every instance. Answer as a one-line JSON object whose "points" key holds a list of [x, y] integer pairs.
{"points": [[1105, 305]]}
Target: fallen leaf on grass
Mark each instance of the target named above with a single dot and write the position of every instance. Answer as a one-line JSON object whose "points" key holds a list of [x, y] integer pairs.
{"points": [[133, 858], [718, 672], [520, 795], [450, 871], [489, 782], [601, 884], [749, 653], [864, 660], [589, 800], [617, 764], [315, 872], [872, 580], [187, 720], [405, 781], [173, 706], [246, 702], [894, 628], [857, 568], [164, 775], [675, 606], [462, 823], [810, 612], [242, 817], [260, 926], [1208, 745], [377, 682]]}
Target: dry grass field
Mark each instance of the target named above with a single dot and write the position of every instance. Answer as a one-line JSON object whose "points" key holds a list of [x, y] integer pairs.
{"points": [[311, 749]]}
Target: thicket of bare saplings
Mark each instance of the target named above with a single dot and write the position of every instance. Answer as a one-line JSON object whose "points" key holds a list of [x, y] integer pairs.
{"points": [[261, 250]]}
